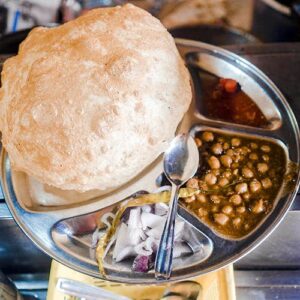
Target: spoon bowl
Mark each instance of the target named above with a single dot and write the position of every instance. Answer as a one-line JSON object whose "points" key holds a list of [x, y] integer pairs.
{"points": [[181, 160]]}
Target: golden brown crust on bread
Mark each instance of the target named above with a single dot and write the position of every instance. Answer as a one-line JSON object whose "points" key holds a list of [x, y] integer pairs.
{"points": [[89, 104]]}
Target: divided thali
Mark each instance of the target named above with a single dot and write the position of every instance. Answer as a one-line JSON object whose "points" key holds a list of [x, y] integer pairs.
{"points": [[65, 232]]}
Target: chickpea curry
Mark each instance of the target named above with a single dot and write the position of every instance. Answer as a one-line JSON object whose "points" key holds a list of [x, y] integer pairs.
{"points": [[238, 182]]}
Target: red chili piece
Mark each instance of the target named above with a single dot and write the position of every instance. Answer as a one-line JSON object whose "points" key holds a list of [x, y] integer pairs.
{"points": [[229, 85]]}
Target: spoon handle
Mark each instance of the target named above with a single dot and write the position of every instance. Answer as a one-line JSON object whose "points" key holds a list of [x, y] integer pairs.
{"points": [[164, 256]]}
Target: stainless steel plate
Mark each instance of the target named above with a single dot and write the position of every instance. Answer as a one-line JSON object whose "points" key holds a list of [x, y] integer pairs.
{"points": [[64, 232]]}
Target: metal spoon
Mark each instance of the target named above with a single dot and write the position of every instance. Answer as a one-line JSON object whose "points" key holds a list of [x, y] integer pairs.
{"points": [[181, 162], [84, 291]]}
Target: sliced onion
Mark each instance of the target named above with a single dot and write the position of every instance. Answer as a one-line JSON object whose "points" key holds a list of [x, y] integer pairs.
{"points": [[109, 245], [161, 209], [140, 249], [134, 220], [151, 243], [124, 253], [151, 220], [147, 208], [138, 235], [156, 232], [135, 236], [95, 238], [142, 263], [143, 235], [122, 240]]}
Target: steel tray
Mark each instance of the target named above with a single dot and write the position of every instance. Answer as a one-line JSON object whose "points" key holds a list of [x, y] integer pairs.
{"points": [[64, 232]]}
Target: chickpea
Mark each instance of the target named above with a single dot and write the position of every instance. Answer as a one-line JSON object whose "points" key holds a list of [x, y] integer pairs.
{"points": [[217, 148], [193, 183], [210, 179], [221, 219], [215, 187], [235, 172], [262, 167], [246, 226], [253, 156], [266, 183], [201, 198], [265, 148], [241, 158], [227, 174], [216, 172], [235, 165], [221, 140], [202, 212], [235, 199], [250, 164], [265, 157], [208, 136], [215, 199], [229, 193], [201, 183], [230, 152], [236, 222], [214, 163], [241, 209], [241, 188], [253, 145], [237, 158], [247, 173], [245, 150], [204, 186], [238, 150], [246, 196], [255, 186], [190, 199], [227, 209], [235, 142], [215, 208], [226, 160], [226, 146], [198, 142], [223, 181], [258, 207]]}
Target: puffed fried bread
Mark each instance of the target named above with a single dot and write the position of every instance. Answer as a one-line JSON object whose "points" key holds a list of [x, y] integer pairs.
{"points": [[91, 103]]}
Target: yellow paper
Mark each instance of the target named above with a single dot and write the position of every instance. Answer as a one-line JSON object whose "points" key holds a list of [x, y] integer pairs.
{"points": [[217, 285]]}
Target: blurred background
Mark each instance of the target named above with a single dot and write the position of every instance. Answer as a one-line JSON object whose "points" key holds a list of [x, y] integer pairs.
{"points": [[219, 22]]}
